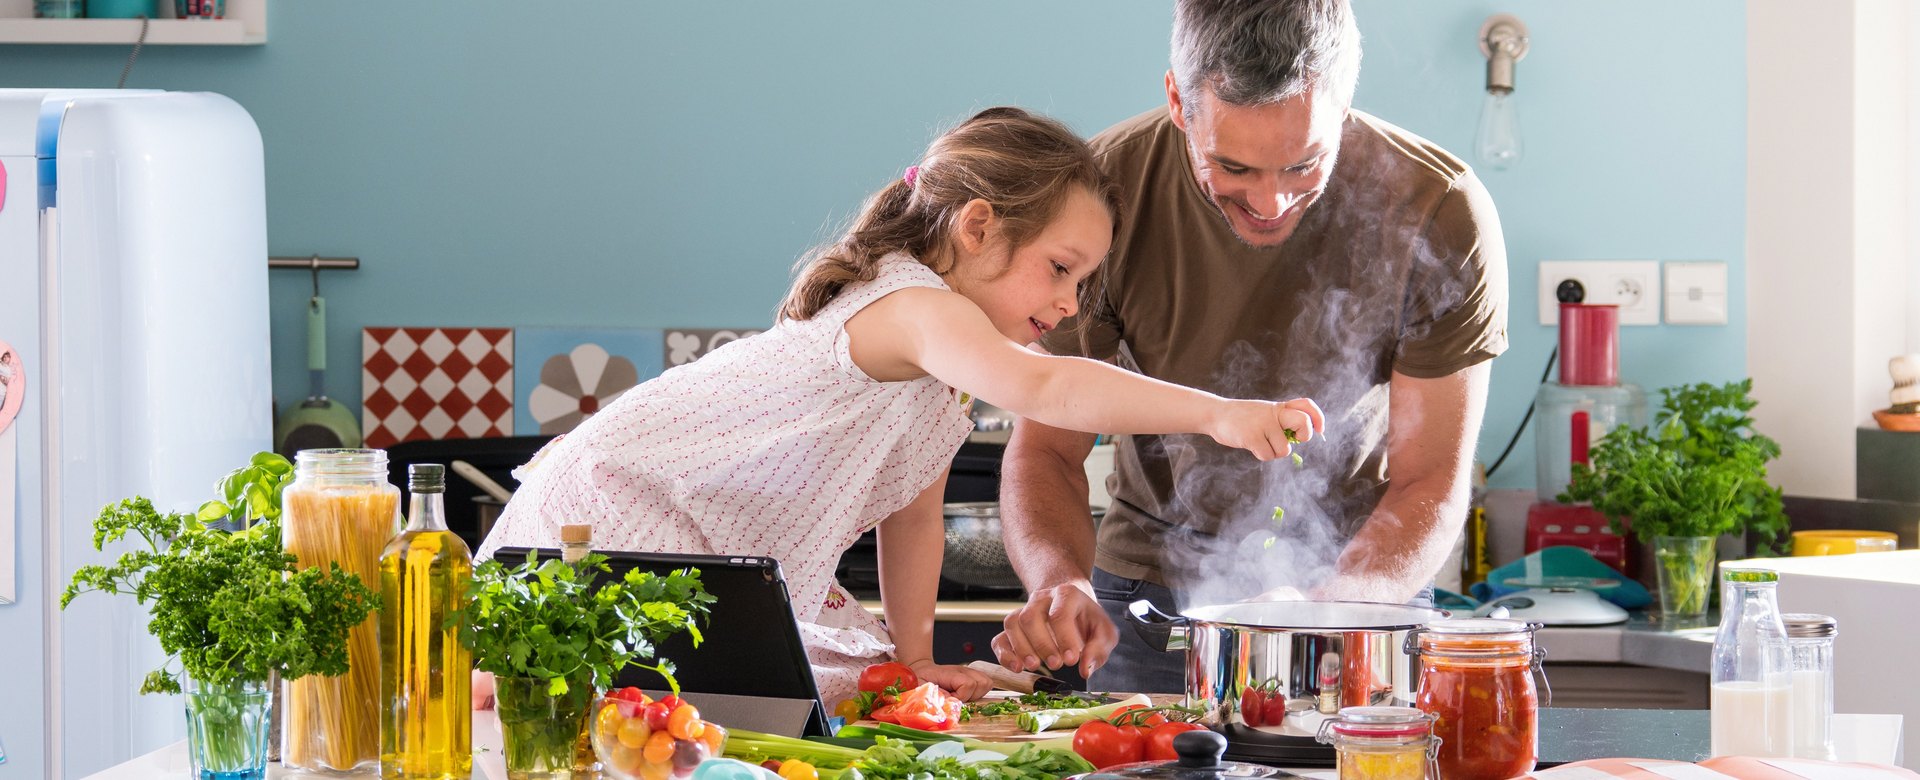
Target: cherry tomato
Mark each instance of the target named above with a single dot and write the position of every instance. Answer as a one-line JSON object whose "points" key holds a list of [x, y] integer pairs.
{"points": [[1103, 744], [1159, 745], [656, 715], [634, 732], [673, 702], [715, 738], [631, 694], [685, 723], [879, 677], [659, 749], [1251, 706], [849, 709], [1274, 711], [795, 769]]}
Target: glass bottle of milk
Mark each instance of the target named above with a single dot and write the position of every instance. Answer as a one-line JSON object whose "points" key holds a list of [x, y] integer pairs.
{"points": [[1752, 670]]}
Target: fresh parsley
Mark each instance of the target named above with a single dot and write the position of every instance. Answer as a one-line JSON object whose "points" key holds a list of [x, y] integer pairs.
{"points": [[228, 605], [552, 621], [1699, 470]]}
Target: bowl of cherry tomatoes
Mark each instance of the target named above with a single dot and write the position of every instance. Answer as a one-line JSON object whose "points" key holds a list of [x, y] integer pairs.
{"points": [[637, 737]]}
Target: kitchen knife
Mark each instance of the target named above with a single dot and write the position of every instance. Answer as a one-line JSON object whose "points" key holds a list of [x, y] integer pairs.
{"points": [[1026, 682]]}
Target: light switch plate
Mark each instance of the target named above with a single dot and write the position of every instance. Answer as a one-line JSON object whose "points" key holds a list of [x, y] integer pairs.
{"points": [[1696, 293], [1633, 285]]}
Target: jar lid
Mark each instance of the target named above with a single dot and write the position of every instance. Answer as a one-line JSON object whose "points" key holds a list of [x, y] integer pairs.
{"points": [[1381, 722], [1477, 626], [1801, 625], [1752, 575]]}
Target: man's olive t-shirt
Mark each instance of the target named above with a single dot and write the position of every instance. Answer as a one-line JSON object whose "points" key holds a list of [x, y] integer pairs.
{"points": [[1399, 266]]}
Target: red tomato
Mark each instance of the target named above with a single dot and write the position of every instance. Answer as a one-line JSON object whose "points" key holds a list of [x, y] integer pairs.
{"points": [[1103, 744], [884, 714], [1252, 706], [631, 694], [673, 702], [1274, 711], [656, 715], [1160, 740], [879, 677]]}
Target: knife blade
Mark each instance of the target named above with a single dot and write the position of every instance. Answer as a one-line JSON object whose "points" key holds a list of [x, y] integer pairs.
{"points": [[1027, 682]]}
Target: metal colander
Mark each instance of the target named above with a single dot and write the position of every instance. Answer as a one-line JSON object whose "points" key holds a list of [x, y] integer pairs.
{"points": [[975, 553]]}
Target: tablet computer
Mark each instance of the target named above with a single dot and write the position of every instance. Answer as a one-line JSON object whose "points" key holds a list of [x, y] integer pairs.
{"points": [[750, 641]]}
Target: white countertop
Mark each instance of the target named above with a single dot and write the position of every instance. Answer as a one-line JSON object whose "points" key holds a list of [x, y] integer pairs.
{"points": [[1873, 739]]}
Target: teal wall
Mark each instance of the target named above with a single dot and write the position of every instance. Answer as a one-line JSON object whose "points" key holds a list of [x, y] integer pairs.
{"points": [[663, 164]]}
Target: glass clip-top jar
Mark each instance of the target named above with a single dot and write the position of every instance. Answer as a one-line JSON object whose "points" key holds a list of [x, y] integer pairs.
{"points": [[1382, 743], [1477, 681]]}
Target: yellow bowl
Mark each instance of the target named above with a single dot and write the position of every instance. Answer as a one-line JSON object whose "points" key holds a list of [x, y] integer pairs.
{"points": [[1842, 542]]}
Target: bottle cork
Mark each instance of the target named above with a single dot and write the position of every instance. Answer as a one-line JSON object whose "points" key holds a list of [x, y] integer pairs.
{"points": [[576, 540]]}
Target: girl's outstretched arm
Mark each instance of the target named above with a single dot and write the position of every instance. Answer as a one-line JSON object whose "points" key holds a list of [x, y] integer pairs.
{"points": [[924, 331]]}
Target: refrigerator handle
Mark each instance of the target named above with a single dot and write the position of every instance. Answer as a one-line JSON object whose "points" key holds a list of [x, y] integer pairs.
{"points": [[13, 384]]}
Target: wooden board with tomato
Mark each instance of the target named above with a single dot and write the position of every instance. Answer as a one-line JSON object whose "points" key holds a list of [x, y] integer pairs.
{"points": [[1006, 728]]}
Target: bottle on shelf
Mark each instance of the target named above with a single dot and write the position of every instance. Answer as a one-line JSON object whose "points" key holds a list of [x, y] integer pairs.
{"points": [[1751, 698], [425, 714]]}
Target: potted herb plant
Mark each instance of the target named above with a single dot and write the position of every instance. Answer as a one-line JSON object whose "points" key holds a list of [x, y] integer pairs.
{"points": [[553, 632], [1700, 471], [229, 607]]}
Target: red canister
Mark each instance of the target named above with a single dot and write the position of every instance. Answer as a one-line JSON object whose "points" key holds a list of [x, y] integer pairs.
{"points": [[1589, 344]]}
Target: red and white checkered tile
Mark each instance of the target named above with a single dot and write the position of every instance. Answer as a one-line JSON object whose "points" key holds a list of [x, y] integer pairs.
{"points": [[435, 383]]}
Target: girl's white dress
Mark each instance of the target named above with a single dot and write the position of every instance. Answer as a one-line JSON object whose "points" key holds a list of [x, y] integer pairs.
{"points": [[774, 445]]}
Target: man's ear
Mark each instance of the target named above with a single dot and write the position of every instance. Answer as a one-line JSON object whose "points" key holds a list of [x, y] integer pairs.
{"points": [[974, 225], [1174, 107]]}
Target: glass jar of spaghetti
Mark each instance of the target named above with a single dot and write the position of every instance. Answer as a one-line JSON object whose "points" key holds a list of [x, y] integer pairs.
{"points": [[1381, 743], [339, 509], [1476, 680]]}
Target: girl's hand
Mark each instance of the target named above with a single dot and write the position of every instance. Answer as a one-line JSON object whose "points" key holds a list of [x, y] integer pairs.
{"points": [[1263, 427], [968, 684], [482, 690]]}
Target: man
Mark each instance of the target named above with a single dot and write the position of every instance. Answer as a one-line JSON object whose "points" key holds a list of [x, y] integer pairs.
{"points": [[1273, 243]]}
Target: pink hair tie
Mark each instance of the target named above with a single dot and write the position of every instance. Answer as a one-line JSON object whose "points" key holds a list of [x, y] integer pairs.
{"points": [[913, 173]]}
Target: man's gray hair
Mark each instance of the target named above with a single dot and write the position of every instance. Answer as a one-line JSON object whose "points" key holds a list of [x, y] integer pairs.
{"points": [[1257, 52]]}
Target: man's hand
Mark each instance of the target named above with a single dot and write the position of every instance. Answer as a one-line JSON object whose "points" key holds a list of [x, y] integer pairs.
{"points": [[968, 684], [1058, 627]]}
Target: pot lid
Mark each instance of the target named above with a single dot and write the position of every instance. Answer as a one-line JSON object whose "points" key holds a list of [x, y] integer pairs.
{"points": [[1318, 615], [1200, 753]]}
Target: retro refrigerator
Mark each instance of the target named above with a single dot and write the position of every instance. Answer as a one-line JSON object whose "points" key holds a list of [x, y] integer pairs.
{"points": [[133, 354]]}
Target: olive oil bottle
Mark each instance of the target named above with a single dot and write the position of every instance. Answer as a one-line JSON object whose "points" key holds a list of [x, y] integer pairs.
{"points": [[425, 713]]}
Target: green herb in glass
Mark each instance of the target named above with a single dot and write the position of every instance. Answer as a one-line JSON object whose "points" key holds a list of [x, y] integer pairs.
{"points": [[227, 605], [552, 633]]}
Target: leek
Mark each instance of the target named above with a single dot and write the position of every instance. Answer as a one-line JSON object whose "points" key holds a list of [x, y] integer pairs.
{"points": [[1043, 720]]}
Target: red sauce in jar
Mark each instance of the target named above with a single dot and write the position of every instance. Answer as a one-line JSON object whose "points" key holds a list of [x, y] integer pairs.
{"points": [[1476, 680]]}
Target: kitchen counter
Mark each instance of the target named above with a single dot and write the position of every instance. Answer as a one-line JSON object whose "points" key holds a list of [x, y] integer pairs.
{"points": [[1570, 735], [1638, 642]]}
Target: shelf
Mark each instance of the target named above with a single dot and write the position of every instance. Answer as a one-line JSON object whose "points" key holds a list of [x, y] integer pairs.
{"points": [[245, 25]]}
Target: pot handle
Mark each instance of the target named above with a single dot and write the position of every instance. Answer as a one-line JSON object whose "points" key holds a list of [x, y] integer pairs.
{"points": [[1157, 628]]}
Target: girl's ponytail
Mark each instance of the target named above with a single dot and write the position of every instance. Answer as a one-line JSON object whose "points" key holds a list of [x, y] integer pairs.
{"points": [[1022, 164]]}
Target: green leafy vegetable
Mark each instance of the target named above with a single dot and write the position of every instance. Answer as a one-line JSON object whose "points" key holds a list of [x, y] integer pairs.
{"points": [[990, 710], [228, 605], [1699, 470], [1054, 701], [548, 620]]}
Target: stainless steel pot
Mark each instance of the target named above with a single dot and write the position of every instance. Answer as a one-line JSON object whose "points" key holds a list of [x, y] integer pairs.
{"points": [[1302, 660], [976, 554]]}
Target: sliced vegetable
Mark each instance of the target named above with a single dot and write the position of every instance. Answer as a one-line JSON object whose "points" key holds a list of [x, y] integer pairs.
{"points": [[927, 707], [1042, 720]]}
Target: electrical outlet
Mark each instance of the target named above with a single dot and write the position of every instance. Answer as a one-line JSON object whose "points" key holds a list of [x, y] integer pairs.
{"points": [[1633, 285]]}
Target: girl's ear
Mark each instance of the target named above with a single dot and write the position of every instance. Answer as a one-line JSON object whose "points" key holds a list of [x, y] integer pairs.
{"points": [[974, 225]]}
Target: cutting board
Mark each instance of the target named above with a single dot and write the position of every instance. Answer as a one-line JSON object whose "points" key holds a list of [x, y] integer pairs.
{"points": [[1006, 728]]}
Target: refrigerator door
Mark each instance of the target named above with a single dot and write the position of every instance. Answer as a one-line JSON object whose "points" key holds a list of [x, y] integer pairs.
{"points": [[152, 320]]}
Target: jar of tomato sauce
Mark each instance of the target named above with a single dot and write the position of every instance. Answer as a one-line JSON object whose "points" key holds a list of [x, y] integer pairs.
{"points": [[1476, 680], [1381, 743]]}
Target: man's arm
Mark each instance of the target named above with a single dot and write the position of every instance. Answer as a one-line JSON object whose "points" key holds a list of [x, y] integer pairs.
{"points": [[1431, 428], [1049, 537]]}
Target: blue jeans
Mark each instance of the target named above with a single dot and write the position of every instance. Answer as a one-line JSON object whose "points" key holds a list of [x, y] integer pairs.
{"points": [[1136, 666]]}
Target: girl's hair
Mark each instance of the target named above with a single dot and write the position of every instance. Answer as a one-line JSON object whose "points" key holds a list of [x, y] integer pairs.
{"points": [[1022, 164]]}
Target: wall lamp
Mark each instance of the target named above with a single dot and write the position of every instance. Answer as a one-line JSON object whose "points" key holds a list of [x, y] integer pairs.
{"points": [[1503, 39]]}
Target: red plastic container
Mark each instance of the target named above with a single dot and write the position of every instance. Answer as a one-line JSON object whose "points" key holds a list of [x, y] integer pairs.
{"points": [[1589, 344]]}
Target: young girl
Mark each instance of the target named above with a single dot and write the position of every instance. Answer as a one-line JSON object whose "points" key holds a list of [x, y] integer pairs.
{"points": [[847, 413]]}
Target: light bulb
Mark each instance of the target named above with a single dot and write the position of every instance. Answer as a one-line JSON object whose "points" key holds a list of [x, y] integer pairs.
{"points": [[1498, 142]]}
